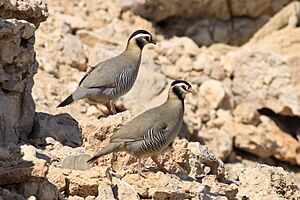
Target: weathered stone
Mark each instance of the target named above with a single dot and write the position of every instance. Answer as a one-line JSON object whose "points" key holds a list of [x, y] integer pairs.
{"points": [[266, 182], [214, 93], [31, 11], [7, 195], [62, 128], [77, 162], [218, 141], [246, 113], [73, 52], [251, 139], [39, 188], [17, 67], [81, 183], [28, 166]]}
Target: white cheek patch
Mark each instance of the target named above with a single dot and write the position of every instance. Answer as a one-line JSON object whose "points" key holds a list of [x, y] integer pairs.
{"points": [[142, 35], [182, 85]]}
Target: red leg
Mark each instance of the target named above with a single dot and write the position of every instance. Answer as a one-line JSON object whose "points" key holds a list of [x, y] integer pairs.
{"points": [[140, 168], [159, 165], [112, 107]]}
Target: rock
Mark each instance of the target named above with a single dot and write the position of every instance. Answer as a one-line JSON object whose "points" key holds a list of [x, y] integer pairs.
{"points": [[266, 182], [214, 93], [104, 192], [219, 9], [151, 80], [75, 198], [77, 162], [205, 156], [6, 195], [31, 11], [288, 17], [77, 182], [246, 113], [62, 128], [161, 186], [125, 190], [220, 142], [287, 147], [251, 139], [219, 118], [269, 83], [207, 22], [24, 167], [95, 135], [17, 59], [73, 52], [39, 188]]}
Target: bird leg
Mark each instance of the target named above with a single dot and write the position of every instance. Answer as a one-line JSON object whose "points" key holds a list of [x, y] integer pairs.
{"points": [[140, 168], [159, 165], [112, 107]]}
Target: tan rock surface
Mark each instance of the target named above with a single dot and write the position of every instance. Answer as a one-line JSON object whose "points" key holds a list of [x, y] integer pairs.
{"points": [[224, 116]]}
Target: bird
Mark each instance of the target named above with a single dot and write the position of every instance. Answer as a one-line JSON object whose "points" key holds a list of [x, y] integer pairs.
{"points": [[112, 78], [152, 132]]}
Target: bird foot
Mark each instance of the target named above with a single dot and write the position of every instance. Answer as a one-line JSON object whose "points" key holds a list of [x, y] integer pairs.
{"points": [[160, 166], [142, 174]]}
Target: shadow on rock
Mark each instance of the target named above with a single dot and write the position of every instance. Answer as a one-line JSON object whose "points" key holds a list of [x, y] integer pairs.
{"points": [[61, 127], [287, 122]]}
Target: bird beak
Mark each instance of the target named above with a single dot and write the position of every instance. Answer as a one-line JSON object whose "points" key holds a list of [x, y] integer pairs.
{"points": [[191, 90], [153, 41]]}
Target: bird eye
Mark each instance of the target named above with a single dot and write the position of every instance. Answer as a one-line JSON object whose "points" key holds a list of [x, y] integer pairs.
{"points": [[147, 38], [184, 87]]}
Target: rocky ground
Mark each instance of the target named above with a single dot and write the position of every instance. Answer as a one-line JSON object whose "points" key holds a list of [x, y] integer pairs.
{"points": [[240, 139]]}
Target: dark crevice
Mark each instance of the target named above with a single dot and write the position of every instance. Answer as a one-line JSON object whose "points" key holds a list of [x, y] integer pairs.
{"points": [[115, 190], [289, 124]]}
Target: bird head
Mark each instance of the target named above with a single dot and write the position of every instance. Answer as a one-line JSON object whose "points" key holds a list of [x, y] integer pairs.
{"points": [[140, 38], [180, 88]]}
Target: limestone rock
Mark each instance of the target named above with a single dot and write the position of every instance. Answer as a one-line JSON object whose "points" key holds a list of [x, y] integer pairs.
{"points": [[251, 139], [73, 52], [208, 158], [17, 67], [31, 11], [219, 9], [218, 141], [77, 182], [104, 192], [246, 113], [24, 168], [288, 17], [161, 186], [149, 79], [77, 162], [266, 182], [269, 83], [214, 93]]}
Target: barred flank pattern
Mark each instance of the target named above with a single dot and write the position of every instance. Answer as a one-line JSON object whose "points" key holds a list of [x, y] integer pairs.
{"points": [[153, 142], [124, 82]]}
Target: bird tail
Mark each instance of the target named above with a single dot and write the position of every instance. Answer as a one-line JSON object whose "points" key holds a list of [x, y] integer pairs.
{"points": [[111, 147], [67, 101]]}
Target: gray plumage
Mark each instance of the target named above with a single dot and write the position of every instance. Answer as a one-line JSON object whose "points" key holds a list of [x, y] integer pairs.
{"points": [[112, 78], [152, 132]]}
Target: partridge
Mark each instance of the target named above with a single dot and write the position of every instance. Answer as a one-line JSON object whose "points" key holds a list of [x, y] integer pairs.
{"points": [[152, 132], [112, 78]]}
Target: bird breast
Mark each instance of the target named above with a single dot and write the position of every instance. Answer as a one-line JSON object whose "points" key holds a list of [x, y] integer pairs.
{"points": [[124, 82]]}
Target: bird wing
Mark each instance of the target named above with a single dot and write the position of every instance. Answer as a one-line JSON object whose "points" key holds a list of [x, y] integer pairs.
{"points": [[103, 75], [150, 121]]}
